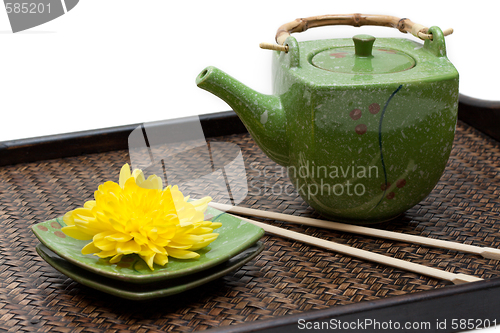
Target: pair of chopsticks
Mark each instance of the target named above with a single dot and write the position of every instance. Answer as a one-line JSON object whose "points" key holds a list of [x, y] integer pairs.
{"points": [[486, 252]]}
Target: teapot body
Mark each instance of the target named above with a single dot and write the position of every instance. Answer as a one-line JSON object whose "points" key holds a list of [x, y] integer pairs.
{"points": [[365, 147]]}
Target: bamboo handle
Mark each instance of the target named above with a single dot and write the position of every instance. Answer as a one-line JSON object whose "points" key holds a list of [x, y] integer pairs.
{"points": [[486, 252], [404, 25], [274, 47], [366, 255]]}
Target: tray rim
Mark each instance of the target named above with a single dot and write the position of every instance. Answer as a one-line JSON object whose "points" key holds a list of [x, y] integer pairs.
{"points": [[424, 306], [106, 139], [477, 299]]}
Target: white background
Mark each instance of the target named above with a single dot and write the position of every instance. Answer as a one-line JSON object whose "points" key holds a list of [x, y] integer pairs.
{"points": [[117, 62]]}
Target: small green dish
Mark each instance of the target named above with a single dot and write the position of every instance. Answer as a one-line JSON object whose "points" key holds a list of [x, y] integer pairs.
{"points": [[141, 292], [235, 236]]}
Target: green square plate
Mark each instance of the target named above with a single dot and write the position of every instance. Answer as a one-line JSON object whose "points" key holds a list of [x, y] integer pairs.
{"points": [[235, 235], [140, 292]]}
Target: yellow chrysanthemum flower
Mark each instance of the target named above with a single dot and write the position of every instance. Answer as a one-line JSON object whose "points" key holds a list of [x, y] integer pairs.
{"points": [[138, 216]]}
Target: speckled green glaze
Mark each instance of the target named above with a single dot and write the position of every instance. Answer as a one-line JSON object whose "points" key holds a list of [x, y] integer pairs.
{"points": [[235, 235], [146, 291], [362, 146]]}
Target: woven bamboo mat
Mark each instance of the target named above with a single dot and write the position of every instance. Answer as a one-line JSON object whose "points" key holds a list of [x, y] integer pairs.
{"points": [[286, 278]]}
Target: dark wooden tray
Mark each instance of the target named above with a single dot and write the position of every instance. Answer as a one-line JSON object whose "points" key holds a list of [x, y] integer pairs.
{"points": [[286, 286]]}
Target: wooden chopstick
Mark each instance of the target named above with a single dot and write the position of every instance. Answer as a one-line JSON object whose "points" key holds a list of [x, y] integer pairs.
{"points": [[366, 255], [486, 252]]}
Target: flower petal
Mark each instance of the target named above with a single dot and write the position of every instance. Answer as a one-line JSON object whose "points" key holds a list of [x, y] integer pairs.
{"points": [[187, 239], [201, 231], [89, 204], [182, 254], [139, 238], [128, 247], [74, 232], [102, 235], [68, 218], [116, 259], [119, 237], [157, 249], [124, 174], [201, 204], [148, 257], [83, 214], [178, 246], [104, 244], [153, 182], [105, 254], [117, 224], [90, 248], [215, 225], [160, 241], [160, 259], [208, 239], [139, 176]]}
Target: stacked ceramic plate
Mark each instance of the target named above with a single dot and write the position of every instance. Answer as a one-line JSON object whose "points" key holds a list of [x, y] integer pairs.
{"points": [[132, 279]]}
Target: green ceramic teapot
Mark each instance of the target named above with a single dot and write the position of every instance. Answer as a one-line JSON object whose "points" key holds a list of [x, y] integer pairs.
{"points": [[364, 126]]}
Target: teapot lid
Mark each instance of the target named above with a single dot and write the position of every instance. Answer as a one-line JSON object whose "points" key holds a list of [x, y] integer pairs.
{"points": [[363, 58]]}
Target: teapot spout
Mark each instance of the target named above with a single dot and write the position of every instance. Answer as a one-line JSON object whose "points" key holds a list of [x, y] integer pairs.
{"points": [[261, 114]]}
